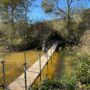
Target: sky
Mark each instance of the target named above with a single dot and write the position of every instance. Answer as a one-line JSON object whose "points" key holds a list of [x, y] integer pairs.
{"points": [[37, 14]]}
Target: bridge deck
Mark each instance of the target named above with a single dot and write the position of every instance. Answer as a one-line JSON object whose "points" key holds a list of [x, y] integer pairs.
{"points": [[33, 72]]}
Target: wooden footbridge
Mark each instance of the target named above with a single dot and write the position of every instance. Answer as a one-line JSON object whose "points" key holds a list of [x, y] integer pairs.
{"points": [[33, 72]]}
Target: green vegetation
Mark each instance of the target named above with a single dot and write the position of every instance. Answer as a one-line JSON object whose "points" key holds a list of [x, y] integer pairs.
{"points": [[49, 84], [75, 75], [14, 35], [70, 24], [40, 31], [80, 65]]}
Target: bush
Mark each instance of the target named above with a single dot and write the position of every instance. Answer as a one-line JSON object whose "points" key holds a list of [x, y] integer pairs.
{"points": [[48, 84], [80, 65], [83, 68], [69, 81]]}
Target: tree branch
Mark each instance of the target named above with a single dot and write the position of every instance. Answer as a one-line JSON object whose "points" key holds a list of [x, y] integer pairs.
{"points": [[61, 9], [71, 2]]}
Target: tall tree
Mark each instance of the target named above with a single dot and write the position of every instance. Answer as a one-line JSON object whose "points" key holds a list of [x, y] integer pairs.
{"points": [[69, 7], [15, 9], [14, 12]]}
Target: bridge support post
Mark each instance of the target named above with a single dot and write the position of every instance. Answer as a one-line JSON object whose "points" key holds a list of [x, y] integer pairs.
{"points": [[47, 62], [25, 68], [51, 56], [40, 66], [3, 72]]}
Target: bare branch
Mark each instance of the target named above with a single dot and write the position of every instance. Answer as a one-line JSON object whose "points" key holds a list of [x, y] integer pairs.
{"points": [[71, 2], [61, 9]]}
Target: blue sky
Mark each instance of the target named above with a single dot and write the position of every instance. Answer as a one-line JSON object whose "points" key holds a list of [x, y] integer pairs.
{"points": [[38, 14]]}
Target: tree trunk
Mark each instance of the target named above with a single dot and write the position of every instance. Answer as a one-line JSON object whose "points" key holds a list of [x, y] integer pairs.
{"points": [[69, 20]]}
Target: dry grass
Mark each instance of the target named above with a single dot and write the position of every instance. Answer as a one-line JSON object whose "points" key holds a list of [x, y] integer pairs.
{"points": [[14, 65]]}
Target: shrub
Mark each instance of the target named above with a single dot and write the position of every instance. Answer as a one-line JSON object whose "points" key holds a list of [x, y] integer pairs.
{"points": [[69, 80], [48, 84], [83, 68], [80, 64]]}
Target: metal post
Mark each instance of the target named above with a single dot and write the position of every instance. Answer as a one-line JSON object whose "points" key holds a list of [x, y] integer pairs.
{"points": [[25, 68], [25, 61], [43, 46], [47, 60], [51, 55], [3, 72], [40, 66]]}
